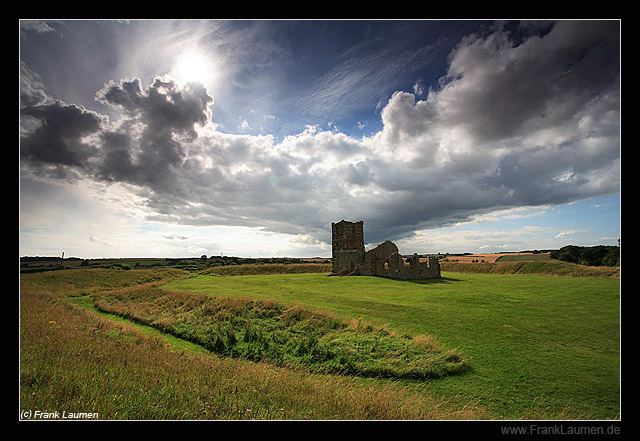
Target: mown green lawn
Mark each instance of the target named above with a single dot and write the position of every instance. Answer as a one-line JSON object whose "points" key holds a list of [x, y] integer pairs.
{"points": [[536, 344]]}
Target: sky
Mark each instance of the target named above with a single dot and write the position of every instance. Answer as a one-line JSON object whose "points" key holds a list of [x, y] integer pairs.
{"points": [[158, 138]]}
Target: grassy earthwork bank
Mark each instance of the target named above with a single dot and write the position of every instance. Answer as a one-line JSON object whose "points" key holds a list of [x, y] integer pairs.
{"points": [[545, 268], [276, 344]]}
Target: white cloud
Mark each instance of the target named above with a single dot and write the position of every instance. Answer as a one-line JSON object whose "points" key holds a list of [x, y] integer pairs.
{"points": [[569, 233], [418, 88]]}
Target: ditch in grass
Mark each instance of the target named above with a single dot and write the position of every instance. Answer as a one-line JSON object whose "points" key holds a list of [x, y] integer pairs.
{"points": [[286, 336]]}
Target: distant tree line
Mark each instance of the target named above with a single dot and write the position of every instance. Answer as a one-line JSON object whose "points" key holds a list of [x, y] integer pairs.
{"points": [[205, 261], [233, 260], [599, 255], [27, 259], [187, 263]]}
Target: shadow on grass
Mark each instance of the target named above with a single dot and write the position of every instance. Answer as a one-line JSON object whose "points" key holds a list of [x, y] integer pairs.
{"points": [[438, 280]]}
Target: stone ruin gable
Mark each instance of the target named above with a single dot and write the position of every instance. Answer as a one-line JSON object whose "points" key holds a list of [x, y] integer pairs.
{"points": [[347, 246], [385, 261], [349, 257], [380, 259]]}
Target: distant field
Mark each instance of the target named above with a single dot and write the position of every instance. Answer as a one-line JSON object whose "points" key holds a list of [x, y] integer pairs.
{"points": [[518, 257], [96, 262], [500, 257]]}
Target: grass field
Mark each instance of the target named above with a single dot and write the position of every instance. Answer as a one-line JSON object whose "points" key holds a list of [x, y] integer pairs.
{"points": [[537, 347]]}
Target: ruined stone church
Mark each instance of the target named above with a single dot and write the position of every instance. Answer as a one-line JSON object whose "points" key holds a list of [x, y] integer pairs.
{"points": [[350, 259]]}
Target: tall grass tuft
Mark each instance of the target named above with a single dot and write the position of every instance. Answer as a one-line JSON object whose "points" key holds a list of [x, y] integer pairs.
{"points": [[288, 336]]}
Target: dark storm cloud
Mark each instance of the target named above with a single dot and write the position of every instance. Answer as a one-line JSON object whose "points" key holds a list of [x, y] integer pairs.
{"points": [[164, 106], [499, 90], [59, 137], [147, 148], [53, 133], [515, 122]]}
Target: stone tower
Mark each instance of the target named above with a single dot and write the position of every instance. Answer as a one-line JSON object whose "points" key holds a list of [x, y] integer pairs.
{"points": [[347, 246]]}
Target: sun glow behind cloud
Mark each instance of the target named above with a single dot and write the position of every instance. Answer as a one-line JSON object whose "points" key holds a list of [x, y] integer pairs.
{"points": [[193, 66]]}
